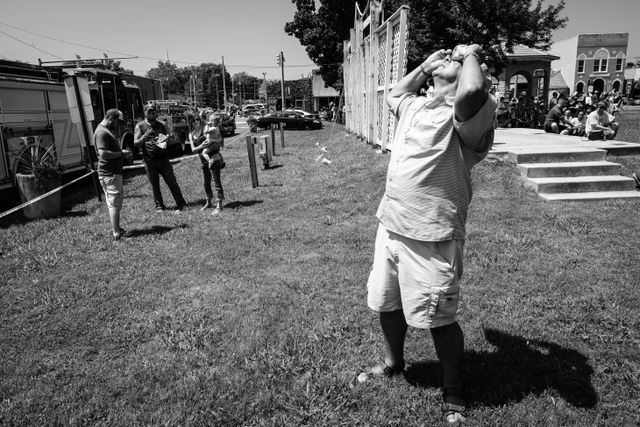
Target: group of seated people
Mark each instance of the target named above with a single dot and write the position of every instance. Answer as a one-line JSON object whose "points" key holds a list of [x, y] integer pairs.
{"points": [[593, 121], [570, 118]]}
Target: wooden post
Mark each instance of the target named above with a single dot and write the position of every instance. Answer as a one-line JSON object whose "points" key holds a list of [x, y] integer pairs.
{"points": [[281, 134], [273, 139], [251, 140]]}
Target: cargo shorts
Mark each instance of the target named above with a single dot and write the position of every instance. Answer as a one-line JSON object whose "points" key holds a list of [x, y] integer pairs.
{"points": [[112, 186], [421, 278]]}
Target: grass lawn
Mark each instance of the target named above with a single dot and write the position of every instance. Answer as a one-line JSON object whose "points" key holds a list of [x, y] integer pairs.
{"points": [[258, 316]]}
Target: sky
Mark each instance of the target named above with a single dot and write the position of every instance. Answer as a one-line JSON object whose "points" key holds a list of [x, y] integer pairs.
{"points": [[602, 16], [249, 34]]}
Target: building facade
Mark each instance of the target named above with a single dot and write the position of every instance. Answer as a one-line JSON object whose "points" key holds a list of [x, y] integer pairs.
{"points": [[323, 95], [593, 62], [527, 70]]}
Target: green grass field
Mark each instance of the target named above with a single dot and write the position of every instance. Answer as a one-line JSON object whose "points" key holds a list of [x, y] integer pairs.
{"points": [[258, 316]]}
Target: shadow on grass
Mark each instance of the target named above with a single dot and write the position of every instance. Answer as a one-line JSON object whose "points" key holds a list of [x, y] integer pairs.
{"points": [[272, 167], [154, 230], [518, 368], [241, 204]]}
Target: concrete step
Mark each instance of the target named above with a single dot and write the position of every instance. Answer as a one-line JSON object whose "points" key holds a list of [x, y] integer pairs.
{"points": [[565, 169], [592, 195], [561, 154], [581, 184]]}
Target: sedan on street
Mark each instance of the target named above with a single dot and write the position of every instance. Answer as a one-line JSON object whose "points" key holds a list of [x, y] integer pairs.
{"points": [[289, 119]]}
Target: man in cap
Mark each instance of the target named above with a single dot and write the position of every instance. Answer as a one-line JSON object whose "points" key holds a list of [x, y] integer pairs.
{"points": [[600, 124], [150, 135], [556, 122], [110, 167], [417, 262]]}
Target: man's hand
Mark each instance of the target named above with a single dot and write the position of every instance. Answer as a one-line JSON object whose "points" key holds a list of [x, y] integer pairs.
{"points": [[462, 51], [434, 60]]}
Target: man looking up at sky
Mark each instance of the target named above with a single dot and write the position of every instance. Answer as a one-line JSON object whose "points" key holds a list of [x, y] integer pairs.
{"points": [[417, 263]]}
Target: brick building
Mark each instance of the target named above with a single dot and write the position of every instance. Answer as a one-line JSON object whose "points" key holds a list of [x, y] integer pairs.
{"points": [[593, 62]]}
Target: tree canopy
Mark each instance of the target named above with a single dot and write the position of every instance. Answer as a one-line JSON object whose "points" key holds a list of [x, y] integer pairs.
{"points": [[208, 78], [497, 25], [322, 32]]}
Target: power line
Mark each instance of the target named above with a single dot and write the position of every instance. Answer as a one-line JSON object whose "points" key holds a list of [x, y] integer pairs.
{"points": [[125, 53], [30, 45]]}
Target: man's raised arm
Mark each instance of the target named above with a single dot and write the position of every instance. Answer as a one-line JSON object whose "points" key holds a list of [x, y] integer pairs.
{"points": [[415, 79], [473, 88]]}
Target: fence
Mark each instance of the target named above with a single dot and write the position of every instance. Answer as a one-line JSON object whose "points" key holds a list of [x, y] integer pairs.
{"points": [[375, 58]]}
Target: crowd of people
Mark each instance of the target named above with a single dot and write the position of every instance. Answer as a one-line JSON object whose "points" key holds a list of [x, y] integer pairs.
{"points": [[150, 136], [582, 114]]}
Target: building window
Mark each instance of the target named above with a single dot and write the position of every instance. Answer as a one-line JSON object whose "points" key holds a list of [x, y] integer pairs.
{"points": [[600, 61], [581, 61]]}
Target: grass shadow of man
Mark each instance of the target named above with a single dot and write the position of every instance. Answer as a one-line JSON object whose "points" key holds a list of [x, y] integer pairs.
{"points": [[517, 368]]}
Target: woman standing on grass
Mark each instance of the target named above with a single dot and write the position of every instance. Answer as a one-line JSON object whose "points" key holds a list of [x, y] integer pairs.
{"points": [[207, 135]]}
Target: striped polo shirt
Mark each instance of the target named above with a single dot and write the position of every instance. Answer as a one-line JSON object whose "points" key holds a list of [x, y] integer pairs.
{"points": [[428, 188]]}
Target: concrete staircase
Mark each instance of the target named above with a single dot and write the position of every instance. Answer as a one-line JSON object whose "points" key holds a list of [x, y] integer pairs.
{"points": [[572, 173]]}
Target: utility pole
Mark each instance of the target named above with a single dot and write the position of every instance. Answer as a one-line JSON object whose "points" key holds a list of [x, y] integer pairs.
{"points": [[193, 76], [215, 76], [281, 64], [224, 85]]}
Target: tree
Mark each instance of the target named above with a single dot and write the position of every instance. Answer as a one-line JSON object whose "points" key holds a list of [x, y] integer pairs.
{"points": [[208, 78], [322, 33], [172, 79], [246, 86], [497, 25]]}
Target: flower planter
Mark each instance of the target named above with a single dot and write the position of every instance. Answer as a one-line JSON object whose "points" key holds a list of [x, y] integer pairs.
{"points": [[30, 189]]}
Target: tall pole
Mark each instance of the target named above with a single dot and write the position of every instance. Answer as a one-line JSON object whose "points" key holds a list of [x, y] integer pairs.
{"points": [[282, 80], [195, 88], [224, 85], [264, 82], [217, 92]]}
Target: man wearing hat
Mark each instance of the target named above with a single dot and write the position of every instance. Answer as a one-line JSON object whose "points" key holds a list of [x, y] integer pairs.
{"points": [[150, 135], [556, 122], [601, 124], [110, 162]]}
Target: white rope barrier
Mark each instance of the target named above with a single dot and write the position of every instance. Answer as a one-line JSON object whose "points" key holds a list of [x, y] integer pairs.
{"points": [[55, 190]]}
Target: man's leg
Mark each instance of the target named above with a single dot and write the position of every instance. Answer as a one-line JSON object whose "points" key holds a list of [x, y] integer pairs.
{"points": [[394, 330], [154, 179], [112, 186], [448, 341], [114, 217], [166, 170]]}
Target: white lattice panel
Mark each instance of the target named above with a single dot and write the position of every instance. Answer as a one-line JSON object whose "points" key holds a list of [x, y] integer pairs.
{"points": [[372, 66]]}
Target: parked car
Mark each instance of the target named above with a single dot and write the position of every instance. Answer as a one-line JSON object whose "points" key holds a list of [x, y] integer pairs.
{"points": [[253, 109], [227, 124], [290, 119], [304, 113]]}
